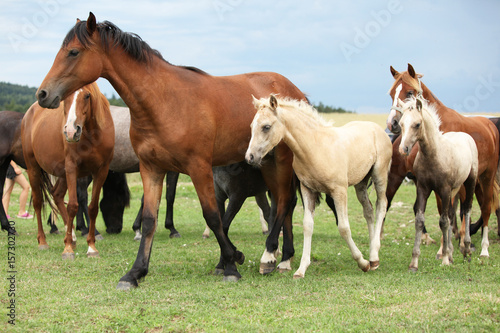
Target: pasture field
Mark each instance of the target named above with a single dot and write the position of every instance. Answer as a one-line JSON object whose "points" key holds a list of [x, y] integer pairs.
{"points": [[181, 294]]}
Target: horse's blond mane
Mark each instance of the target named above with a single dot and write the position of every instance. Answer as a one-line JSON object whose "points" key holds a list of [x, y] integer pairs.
{"points": [[426, 106], [300, 105]]}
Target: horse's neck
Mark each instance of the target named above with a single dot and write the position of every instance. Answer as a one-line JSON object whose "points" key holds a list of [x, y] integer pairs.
{"points": [[429, 141], [300, 131], [135, 82]]}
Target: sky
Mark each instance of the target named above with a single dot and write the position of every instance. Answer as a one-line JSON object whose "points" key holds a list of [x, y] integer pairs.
{"points": [[337, 52]]}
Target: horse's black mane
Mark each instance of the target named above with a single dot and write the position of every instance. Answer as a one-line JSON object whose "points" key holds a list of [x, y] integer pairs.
{"points": [[110, 34]]}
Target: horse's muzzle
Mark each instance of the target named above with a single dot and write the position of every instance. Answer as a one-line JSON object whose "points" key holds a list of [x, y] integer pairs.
{"points": [[47, 101], [74, 134]]}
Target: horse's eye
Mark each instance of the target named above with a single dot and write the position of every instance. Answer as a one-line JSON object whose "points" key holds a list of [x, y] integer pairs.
{"points": [[73, 53], [266, 128], [87, 95], [417, 125], [409, 94]]}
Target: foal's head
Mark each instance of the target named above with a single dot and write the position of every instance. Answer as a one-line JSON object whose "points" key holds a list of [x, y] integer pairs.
{"points": [[267, 130], [80, 107], [406, 85], [411, 124]]}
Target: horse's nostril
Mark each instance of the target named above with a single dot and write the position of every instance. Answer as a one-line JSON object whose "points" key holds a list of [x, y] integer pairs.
{"points": [[42, 94], [78, 129]]}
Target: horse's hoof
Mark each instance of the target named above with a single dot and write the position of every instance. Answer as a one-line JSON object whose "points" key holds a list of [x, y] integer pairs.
{"points": [[205, 237], [297, 276], [138, 238], [92, 254], [230, 278], [55, 232], [439, 256], [283, 270], [412, 269], [366, 268], [219, 271], [43, 246], [374, 265], [125, 285], [68, 256], [99, 237], [175, 235], [266, 268]]}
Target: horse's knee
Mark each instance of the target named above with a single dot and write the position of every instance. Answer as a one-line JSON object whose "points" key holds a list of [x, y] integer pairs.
{"points": [[72, 208]]}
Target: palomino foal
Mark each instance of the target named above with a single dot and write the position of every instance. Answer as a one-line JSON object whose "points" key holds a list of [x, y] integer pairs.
{"points": [[443, 164], [327, 160]]}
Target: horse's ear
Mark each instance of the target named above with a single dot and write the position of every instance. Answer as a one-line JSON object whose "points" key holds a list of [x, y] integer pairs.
{"points": [[91, 24], [411, 71], [255, 101], [394, 72], [273, 102], [419, 104], [78, 20]]}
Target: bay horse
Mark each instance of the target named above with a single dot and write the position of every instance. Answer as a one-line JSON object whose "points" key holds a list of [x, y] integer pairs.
{"points": [[183, 120], [327, 160], [443, 164], [484, 132], [72, 141], [10, 149]]}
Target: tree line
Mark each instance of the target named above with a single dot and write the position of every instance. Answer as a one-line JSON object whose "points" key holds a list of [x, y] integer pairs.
{"points": [[19, 98]]}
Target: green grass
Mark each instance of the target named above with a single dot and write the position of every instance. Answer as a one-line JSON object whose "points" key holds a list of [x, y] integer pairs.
{"points": [[181, 294]]}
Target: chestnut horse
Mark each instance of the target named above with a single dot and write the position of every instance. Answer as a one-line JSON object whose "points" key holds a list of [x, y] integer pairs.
{"points": [[183, 120], [444, 163], [483, 131], [72, 141]]}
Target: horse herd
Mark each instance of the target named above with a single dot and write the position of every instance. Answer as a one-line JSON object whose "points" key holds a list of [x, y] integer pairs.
{"points": [[183, 120]]}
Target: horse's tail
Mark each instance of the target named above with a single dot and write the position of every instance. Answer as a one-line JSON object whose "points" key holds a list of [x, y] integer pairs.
{"points": [[46, 189]]}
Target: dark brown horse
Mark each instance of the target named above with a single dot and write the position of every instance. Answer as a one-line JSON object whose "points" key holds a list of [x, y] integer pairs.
{"points": [[484, 132], [182, 119], [74, 140], [10, 149]]}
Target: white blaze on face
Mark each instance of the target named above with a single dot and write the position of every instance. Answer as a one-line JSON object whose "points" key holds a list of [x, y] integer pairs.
{"points": [[393, 113], [70, 127]]}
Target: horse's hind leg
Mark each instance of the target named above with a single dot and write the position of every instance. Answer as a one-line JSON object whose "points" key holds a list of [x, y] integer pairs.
{"points": [[339, 196], [362, 195], [309, 197], [172, 179], [264, 211], [465, 240], [419, 209]]}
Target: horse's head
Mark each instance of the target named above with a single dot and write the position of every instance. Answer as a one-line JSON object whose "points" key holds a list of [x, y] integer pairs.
{"points": [[407, 84], [78, 62], [84, 105], [267, 130], [410, 123]]}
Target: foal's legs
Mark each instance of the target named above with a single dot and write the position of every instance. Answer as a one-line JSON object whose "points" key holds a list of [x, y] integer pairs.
{"points": [[309, 197], [419, 209], [339, 196], [444, 225]]}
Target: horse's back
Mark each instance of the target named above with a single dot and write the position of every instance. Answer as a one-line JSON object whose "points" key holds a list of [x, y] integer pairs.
{"points": [[124, 158]]}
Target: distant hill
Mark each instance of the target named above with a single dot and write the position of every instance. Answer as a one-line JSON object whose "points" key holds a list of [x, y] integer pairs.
{"points": [[15, 97]]}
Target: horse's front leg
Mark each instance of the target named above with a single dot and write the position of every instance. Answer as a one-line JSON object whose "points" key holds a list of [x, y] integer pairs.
{"points": [[309, 198], [419, 210], [98, 181], [444, 225], [67, 213], [153, 185], [279, 178]]}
